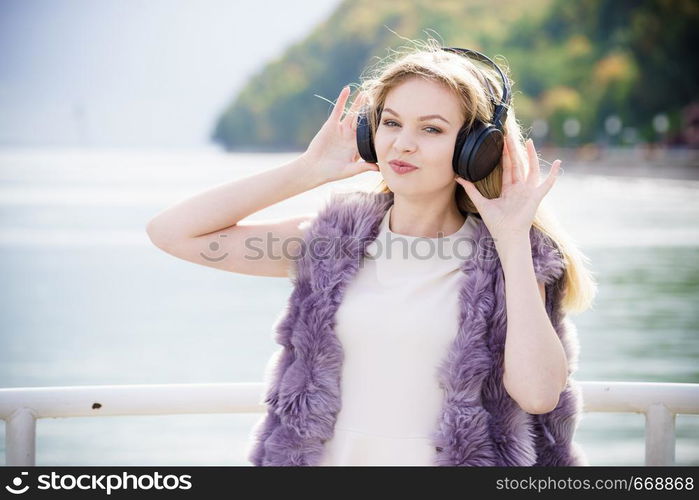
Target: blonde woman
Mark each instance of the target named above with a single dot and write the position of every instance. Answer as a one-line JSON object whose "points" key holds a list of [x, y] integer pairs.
{"points": [[447, 355]]}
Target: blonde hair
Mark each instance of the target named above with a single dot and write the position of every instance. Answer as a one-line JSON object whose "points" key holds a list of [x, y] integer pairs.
{"points": [[472, 86]]}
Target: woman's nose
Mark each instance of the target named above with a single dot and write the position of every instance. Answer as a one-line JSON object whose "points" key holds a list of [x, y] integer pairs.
{"points": [[404, 143]]}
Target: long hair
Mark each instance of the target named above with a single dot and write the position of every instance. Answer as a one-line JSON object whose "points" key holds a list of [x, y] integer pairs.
{"points": [[473, 85]]}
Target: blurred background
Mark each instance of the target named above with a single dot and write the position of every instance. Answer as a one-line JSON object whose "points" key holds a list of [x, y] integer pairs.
{"points": [[111, 111]]}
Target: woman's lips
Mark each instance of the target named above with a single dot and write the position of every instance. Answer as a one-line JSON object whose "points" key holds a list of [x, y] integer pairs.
{"points": [[401, 168]]}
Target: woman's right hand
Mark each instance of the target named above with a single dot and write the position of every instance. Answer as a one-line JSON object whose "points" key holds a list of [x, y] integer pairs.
{"points": [[333, 152]]}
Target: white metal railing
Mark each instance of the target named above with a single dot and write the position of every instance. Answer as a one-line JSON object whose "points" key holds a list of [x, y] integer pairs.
{"points": [[20, 407]]}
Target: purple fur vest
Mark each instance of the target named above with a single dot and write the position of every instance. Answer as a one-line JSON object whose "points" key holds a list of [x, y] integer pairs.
{"points": [[480, 424]]}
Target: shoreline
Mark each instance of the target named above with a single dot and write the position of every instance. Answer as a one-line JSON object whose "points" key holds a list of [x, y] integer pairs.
{"points": [[640, 161], [648, 162]]}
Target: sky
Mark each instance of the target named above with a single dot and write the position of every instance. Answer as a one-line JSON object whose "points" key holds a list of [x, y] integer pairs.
{"points": [[146, 74]]}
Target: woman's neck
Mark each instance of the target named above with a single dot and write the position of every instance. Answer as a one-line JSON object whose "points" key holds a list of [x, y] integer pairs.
{"points": [[429, 219]]}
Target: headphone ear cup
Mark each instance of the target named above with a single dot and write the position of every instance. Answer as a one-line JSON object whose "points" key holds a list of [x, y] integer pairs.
{"points": [[459, 166], [487, 153], [365, 144], [480, 152]]}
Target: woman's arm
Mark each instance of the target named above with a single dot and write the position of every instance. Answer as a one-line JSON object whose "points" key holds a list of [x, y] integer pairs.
{"points": [[228, 203], [536, 369], [209, 227], [206, 228], [331, 155]]}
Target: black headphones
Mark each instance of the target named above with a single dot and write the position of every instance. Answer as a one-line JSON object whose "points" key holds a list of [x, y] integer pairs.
{"points": [[477, 150]]}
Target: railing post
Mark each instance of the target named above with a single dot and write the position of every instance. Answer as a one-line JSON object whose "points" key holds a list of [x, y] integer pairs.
{"points": [[660, 435], [20, 438]]}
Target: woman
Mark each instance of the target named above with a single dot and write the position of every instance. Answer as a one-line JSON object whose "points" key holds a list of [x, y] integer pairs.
{"points": [[408, 361]]}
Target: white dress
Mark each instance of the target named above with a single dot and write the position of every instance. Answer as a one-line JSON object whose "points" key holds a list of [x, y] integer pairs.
{"points": [[398, 317]]}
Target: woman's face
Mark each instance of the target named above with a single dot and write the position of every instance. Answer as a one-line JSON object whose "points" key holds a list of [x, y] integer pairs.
{"points": [[428, 144]]}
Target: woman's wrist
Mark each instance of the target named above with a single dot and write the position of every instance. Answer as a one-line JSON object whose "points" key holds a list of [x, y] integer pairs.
{"points": [[307, 169], [304, 172], [511, 249]]}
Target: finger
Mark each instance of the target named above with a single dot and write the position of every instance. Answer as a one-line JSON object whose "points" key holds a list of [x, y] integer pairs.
{"points": [[471, 191], [340, 103], [360, 107], [507, 170], [515, 159], [534, 169], [353, 114], [551, 178], [360, 166], [372, 167]]}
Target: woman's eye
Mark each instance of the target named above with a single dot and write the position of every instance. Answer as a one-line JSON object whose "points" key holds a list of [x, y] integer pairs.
{"points": [[436, 130]]}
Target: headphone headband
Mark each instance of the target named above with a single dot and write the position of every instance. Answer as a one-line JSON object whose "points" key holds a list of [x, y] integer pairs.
{"points": [[500, 113]]}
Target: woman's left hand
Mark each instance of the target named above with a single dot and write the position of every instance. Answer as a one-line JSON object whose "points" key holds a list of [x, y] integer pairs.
{"points": [[511, 215]]}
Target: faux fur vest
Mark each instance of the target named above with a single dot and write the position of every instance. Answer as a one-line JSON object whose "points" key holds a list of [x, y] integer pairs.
{"points": [[480, 424]]}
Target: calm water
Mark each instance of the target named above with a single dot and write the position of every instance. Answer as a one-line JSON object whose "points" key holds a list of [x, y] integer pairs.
{"points": [[87, 299]]}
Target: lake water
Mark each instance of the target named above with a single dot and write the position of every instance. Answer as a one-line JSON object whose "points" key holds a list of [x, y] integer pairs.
{"points": [[88, 300]]}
